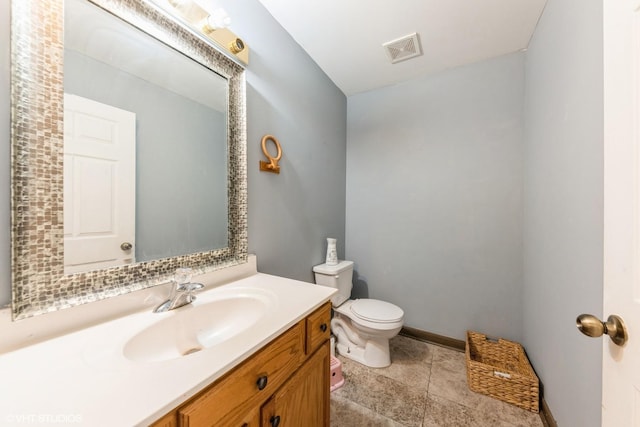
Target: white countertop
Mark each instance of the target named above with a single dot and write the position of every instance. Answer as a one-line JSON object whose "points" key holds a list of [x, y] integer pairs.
{"points": [[84, 379]]}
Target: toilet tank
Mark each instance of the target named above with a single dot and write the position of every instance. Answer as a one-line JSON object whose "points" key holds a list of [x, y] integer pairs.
{"points": [[336, 276]]}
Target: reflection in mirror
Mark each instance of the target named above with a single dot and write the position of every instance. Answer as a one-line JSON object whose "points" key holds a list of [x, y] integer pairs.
{"points": [[184, 180], [145, 146]]}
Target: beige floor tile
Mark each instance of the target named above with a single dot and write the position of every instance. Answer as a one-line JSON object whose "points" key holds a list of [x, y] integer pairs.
{"points": [[386, 396], [345, 413], [426, 386], [445, 413], [410, 363], [511, 414], [452, 360], [448, 379]]}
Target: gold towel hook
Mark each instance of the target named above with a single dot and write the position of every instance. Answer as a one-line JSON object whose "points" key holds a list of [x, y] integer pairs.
{"points": [[272, 164]]}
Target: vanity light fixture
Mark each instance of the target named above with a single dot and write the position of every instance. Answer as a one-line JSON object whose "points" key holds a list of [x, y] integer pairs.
{"points": [[212, 24], [218, 19]]}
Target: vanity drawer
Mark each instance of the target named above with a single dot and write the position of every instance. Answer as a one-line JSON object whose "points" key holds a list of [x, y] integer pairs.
{"points": [[318, 327], [249, 384]]}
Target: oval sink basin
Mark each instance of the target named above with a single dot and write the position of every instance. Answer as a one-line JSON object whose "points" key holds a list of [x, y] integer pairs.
{"points": [[199, 326]]}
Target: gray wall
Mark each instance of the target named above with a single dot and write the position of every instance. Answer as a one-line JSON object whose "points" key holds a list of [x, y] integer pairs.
{"points": [[181, 168], [5, 174], [563, 202], [434, 197], [291, 214]]}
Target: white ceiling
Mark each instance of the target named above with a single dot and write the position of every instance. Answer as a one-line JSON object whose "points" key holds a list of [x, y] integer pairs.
{"points": [[345, 37]]}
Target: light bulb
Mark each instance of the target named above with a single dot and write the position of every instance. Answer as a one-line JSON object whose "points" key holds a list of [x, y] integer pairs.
{"points": [[218, 19], [178, 3]]}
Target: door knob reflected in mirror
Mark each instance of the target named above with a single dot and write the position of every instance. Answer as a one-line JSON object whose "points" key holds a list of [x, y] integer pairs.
{"points": [[591, 326]]}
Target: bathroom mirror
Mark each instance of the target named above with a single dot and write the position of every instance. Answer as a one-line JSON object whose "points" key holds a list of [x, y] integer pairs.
{"points": [[199, 189], [145, 144]]}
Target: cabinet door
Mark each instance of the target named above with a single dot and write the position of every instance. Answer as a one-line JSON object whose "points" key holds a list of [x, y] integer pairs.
{"points": [[168, 420], [250, 417], [233, 396], [304, 399]]}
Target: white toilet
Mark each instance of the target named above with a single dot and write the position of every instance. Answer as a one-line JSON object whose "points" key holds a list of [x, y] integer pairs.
{"points": [[363, 326]]}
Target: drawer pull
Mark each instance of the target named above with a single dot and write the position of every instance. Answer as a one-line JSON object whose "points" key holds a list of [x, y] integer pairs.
{"points": [[262, 382], [323, 327], [275, 421]]}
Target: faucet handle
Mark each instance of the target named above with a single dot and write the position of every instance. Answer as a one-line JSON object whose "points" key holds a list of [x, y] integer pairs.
{"points": [[182, 276], [190, 287]]}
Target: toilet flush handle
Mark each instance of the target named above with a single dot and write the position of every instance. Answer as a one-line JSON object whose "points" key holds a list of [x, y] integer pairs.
{"points": [[337, 276]]}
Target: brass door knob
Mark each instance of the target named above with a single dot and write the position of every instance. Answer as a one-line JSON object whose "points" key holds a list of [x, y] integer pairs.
{"points": [[591, 326], [126, 246]]}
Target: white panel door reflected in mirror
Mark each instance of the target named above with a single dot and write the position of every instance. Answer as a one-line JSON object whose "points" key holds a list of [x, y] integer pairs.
{"points": [[99, 185]]}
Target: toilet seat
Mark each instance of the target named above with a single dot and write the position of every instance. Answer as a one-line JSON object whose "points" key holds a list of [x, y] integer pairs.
{"points": [[376, 311]]}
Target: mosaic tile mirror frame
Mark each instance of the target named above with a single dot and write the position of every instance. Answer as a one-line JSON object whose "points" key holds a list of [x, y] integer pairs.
{"points": [[39, 284]]}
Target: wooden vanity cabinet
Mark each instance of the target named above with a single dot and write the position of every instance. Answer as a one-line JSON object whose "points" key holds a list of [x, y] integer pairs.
{"points": [[304, 399], [286, 383]]}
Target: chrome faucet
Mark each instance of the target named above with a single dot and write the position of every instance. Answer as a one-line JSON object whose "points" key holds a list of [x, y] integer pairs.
{"points": [[182, 295], [182, 292]]}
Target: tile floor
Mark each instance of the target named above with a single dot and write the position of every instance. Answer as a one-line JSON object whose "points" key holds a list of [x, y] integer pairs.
{"points": [[426, 385]]}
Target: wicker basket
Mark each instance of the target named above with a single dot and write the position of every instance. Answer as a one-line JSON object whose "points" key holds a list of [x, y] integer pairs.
{"points": [[500, 369]]}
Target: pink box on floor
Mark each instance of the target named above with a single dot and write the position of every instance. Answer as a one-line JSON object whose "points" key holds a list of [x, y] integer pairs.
{"points": [[337, 380]]}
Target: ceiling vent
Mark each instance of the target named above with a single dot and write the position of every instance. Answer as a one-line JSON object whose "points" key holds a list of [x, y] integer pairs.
{"points": [[404, 48]]}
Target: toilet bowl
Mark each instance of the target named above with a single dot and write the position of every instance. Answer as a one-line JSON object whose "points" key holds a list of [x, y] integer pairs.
{"points": [[363, 327]]}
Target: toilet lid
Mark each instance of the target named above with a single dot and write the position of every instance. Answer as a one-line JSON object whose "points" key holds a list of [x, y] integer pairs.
{"points": [[375, 310]]}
